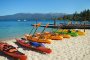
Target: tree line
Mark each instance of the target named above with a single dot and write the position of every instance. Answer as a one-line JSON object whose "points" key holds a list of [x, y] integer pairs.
{"points": [[82, 16]]}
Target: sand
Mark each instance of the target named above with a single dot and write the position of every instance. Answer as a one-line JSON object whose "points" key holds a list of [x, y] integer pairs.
{"points": [[75, 48]]}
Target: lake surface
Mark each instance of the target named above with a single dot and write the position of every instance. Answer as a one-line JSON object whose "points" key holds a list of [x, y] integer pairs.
{"points": [[15, 29]]}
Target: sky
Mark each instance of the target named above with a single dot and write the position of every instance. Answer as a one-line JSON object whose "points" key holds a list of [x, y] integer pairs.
{"points": [[8, 7]]}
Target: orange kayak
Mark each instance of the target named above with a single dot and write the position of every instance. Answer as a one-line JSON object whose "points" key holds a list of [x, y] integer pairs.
{"points": [[37, 39], [56, 37], [51, 36]]}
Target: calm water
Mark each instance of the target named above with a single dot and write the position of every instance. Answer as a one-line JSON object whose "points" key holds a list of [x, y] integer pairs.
{"points": [[12, 29], [15, 29]]}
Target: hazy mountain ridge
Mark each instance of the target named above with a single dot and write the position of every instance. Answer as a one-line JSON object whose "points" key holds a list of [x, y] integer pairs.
{"points": [[30, 16]]}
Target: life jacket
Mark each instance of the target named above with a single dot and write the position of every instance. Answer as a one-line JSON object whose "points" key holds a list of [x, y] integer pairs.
{"points": [[9, 48], [35, 44]]}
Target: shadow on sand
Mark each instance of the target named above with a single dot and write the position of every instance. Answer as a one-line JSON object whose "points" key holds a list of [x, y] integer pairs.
{"points": [[7, 56]]}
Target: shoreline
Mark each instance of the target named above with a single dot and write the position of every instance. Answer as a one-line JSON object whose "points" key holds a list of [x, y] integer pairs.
{"points": [[75, 48], [10, 38]]}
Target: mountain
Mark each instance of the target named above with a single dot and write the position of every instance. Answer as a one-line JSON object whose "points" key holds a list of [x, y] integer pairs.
{"points": [[30, 16]]}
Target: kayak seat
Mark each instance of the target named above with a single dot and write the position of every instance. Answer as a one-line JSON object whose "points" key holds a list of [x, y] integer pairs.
{"points": [[7, 48], [23, 38], [35, 44]]}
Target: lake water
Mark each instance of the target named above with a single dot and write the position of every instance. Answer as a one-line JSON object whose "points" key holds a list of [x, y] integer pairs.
{"points": [[15, 29]]}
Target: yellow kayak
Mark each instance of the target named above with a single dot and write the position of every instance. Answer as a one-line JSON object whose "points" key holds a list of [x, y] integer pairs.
{"points": [[66, 36], [79, 32], [56, 37], [48, 35], [73, 30], [37, 39], [61, 36], [63, 30]]}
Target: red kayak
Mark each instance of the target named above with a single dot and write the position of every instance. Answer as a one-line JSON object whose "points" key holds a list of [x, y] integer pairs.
{"points": [[12, 51], [28, 45]]}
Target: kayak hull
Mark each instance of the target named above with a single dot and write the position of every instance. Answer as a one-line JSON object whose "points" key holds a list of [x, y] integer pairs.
{"points": [[41, 48], [15, 54], [48, 35], [21, 57], [36, 39], [56, 37], [66, 36], [74, 34], [79, 32]]}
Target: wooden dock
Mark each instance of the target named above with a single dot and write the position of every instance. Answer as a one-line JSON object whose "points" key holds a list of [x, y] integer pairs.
{"points": [[72, 26]]}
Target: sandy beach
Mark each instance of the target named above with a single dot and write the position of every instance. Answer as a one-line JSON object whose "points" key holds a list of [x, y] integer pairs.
{"points": [[75, 48]]}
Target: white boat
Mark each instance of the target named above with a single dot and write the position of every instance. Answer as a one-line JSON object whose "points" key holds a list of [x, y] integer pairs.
{"points": [[25, 20], [18, 20]]}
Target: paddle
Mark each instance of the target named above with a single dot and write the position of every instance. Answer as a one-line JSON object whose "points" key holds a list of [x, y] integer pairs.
{"points": [[45, 28], [37, 25], [31, 30]]}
